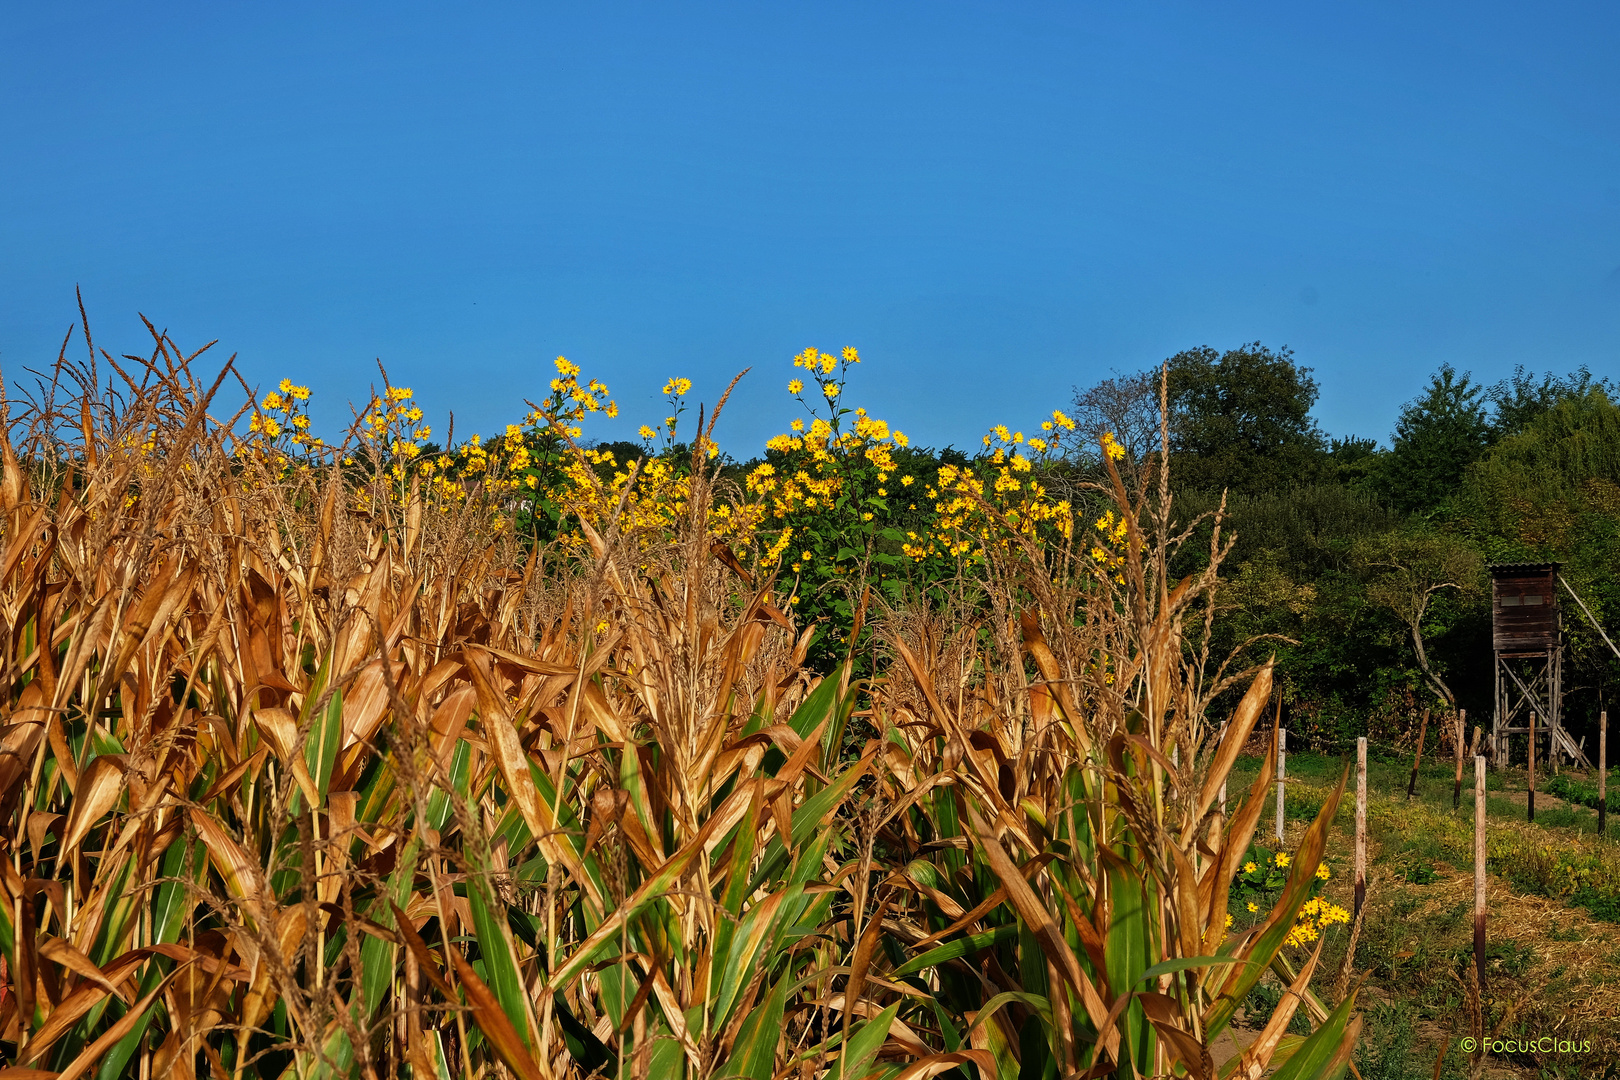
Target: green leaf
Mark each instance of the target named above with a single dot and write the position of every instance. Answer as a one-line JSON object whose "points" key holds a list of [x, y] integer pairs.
{"points": [[754, 1054], [500, 965], [955, 950], [1180, 963], [865, 1043], [1313, 1060]]}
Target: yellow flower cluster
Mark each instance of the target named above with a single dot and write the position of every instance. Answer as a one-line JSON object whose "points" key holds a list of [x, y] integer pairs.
{"points": [[988, 505], [658, 499], [279, 429], [1113, 530], [1315, 915]]}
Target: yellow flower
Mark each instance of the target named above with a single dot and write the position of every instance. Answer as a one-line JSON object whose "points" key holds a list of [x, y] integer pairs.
{"points": [[1249, 868], [1229, 922], [1323, 872], [850, 355], [795, 386], [272, 400], [300, 392], [830, 390], [647, 432], [1281, 859], [1111, 446], [565, 368], [1253, 906], [806, 556]]}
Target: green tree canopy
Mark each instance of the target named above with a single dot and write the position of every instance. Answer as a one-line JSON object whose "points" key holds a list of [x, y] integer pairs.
{"points": [[1241, 420], [1437, 436], [1518, 400]]}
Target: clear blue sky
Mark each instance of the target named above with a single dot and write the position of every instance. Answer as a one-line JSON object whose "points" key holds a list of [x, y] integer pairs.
{"points": [[992, 202]]}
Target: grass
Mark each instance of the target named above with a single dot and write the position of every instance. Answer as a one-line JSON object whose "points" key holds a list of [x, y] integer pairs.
{"points": [[1553, 955]]}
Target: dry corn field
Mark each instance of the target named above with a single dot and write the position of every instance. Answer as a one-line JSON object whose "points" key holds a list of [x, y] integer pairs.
{"points": [[305, 775]]}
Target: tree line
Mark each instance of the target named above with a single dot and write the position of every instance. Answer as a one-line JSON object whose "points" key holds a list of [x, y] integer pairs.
{"points": [[1365, 565]]}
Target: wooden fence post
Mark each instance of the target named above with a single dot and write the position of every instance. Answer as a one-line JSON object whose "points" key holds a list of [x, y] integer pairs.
{"points": [[1423, 732], [1361, 823], [1531, 816], [1603, 770], [1282, 768], [1462, 737], [1479, 870]]}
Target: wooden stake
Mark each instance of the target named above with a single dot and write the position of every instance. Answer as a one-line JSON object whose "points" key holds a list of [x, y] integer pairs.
{"points": [[1361, 824], [1282, 767], [1479, 869], [1532, 773], [1462, 737], [1423, 733], [1603, 771]]}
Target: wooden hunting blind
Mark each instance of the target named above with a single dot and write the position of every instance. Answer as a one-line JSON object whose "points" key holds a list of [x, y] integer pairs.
{"points": [[1527, 637]]}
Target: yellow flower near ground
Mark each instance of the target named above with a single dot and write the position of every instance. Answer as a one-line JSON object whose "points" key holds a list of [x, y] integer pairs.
{"points": [[1253, 906], [1281, 859]]}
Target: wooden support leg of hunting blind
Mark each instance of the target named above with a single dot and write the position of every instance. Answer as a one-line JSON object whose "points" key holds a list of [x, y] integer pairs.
{"points": [[1282, 768], [1462, 735], [1417, 759], [1361, 823], [1603, 771], [1479, 870], [1531, 780]]}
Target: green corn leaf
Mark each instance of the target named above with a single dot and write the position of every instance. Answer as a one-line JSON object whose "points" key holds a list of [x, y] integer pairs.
{"points": [[1323, 1055], [955, 950], [807, 821], [753, 1057], [740, 960], [865, 1043], [439, 806], [500, 964]]}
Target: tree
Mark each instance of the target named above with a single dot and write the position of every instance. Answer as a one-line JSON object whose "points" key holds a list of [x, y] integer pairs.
{"points": [[1437, 436], [1241, 420], [1124, 406], [1406, 571], [1519, 400]]}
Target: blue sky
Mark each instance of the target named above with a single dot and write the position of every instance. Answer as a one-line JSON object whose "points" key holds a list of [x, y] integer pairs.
{"points": [[994, 203]]}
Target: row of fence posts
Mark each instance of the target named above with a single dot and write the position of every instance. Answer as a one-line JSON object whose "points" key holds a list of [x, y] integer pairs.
{"points": [[1360, 883], [1460, 732], [1530, 771]]}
